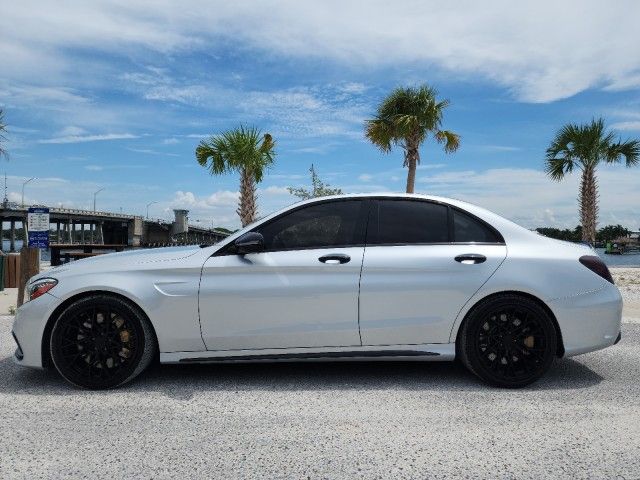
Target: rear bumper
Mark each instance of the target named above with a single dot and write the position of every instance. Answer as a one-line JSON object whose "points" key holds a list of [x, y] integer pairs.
{"points": [[589, 321]]}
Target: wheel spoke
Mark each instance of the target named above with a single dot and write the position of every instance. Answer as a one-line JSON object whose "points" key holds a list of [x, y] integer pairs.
{"points": [[511, 342]]}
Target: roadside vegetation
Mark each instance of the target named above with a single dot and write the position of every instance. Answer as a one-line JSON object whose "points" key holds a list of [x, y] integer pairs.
{"points": [[244, 150], [406, 118], [318, 188], [585, 147], [605, 234]]}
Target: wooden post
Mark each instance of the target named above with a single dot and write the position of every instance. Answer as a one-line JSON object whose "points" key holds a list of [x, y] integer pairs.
{"points": [[82, 232], [91, 227], [29, 266], [1, 235], [58, 232]]}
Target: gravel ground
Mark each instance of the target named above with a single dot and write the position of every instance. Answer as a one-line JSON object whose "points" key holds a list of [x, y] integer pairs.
{"points": [[331, 420]]}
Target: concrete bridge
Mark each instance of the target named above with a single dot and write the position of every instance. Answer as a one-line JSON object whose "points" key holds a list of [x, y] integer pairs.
{"points": [[72, 226]]}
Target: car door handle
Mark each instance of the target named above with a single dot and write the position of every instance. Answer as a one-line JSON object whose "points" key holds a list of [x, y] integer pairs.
{"points": [[335, 258], [470, 258]]}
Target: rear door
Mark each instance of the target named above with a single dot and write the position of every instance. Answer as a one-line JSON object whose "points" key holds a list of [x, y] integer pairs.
{"points": [[423, 261]]}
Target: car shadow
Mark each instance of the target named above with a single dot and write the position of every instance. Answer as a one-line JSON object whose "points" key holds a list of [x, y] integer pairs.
{"points": [[182, 382]]}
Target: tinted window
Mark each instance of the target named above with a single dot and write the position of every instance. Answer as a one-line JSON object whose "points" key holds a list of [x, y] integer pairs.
{"points": [[407, 221], [323, 225], [468, 229]]}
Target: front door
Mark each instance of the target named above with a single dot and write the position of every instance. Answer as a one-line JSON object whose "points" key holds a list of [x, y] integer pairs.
{"points": [[301, 291]]}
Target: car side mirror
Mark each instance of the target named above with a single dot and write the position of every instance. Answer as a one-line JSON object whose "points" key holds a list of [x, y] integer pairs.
{"points": [[250, 242]]}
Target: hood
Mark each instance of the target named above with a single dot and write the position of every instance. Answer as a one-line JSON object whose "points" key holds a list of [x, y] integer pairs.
{"points": [[127, 259]]}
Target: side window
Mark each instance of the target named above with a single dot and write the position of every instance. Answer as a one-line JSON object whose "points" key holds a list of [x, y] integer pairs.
{"points": [[328, 224], [409, 221], [468, 229]]}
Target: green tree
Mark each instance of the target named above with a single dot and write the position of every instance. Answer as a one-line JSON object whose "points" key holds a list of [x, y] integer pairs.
{"points": [[565, 234], [584, 147], [611, 232], [318, 188], [3, 139], [406, 118], [244, 150]]}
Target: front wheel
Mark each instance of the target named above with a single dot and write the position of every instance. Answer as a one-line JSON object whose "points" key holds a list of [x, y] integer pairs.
{"points": [[508, 341], [101, 341]]}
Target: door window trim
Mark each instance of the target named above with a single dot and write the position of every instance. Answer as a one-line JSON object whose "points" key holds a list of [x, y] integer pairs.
{"points": [[359, 232], [373, 223]]}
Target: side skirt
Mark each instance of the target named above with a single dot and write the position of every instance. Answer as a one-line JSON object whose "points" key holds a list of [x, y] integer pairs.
{"points": [[426, 352]]}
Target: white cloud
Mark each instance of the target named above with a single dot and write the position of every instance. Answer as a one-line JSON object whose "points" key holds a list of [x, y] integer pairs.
{"points": [[365, 177], [150, 151], [170, 141], [94, 168], [89, 138], [585, 45], [627, 126], [530, 198], [498, 148]]}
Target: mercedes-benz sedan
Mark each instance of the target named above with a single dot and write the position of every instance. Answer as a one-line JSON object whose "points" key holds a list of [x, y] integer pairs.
{"points": [[381, 277]]}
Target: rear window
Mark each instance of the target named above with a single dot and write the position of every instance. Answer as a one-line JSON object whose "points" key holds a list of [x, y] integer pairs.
{"points": [[469, 229]]}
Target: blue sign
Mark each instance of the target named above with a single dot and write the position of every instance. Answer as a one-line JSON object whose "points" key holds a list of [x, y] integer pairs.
{"points": [[38, 227]]}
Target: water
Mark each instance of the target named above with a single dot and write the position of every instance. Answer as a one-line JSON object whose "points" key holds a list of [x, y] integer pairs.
{"points": [[626, 260], [45, 255]]}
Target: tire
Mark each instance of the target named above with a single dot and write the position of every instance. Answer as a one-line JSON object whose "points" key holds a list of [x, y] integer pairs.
{"points": [[508, 341], [91, 353]]}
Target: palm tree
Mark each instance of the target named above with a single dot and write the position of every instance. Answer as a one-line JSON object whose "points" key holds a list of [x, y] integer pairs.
{"points": [[405, 118], [244, 150], [584, 147], [3, 129]]}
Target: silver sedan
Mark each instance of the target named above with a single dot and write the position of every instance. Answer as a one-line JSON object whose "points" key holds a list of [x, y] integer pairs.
{"points": [[352, 277]]}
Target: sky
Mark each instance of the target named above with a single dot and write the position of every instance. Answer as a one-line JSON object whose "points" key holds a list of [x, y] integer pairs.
{"points": [[117, 95]]}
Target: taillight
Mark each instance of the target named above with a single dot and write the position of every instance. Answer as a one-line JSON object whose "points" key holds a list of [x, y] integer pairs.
{"points": [[40, 287], [596, 265]]}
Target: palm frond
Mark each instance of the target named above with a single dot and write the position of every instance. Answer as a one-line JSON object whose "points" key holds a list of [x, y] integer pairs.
{"points": [[629, 150], [450, 140], [406, 117], [243, 148], [380, 132]]}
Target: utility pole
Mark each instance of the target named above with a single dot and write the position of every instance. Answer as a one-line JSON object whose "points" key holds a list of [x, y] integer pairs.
{"points": [[23, 185], [148, 205], [94, 198]]}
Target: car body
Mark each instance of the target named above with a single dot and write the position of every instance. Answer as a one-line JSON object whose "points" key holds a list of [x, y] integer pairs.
{"points": [[376, 286]]}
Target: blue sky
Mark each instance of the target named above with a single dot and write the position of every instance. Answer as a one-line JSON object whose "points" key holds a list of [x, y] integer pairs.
{"points": [[118, 94]]}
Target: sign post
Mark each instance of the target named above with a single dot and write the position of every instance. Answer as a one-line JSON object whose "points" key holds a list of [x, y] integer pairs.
{"points": [[38, 227], [38, 238]]}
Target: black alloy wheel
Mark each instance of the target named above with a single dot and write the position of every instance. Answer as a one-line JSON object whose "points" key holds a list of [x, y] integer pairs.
{"points": [[101, 341], [508, 341]]}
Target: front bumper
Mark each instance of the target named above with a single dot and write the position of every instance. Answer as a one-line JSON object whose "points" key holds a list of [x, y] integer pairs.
{"points": [[590, 321], [28, 328]]}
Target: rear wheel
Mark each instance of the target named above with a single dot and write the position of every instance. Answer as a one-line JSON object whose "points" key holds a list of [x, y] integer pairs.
{"points": [[508, 341], [101, 342]]}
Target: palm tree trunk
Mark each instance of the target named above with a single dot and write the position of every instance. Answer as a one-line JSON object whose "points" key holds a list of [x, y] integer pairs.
{"points": [[411, 160], [588, 204], [247, 208]]}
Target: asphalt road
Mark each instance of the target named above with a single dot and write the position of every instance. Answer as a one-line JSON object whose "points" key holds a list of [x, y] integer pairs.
{"points": [[328, 420]]}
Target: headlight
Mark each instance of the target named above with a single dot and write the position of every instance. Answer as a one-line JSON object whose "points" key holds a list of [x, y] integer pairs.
{"points": [[40, 287]]}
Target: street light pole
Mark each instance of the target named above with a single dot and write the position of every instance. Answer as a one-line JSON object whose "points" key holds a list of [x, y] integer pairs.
{"points": [[23, 184], [148, 205], [94, 198]]}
